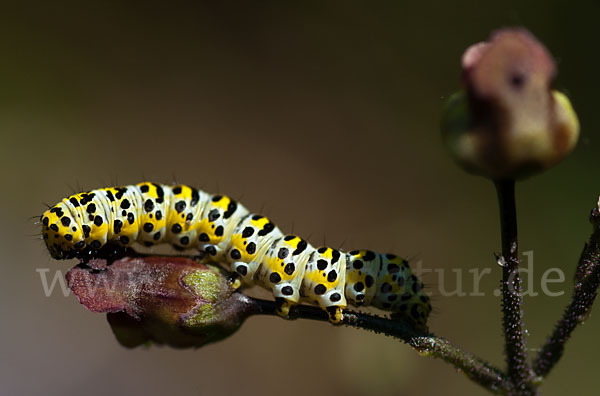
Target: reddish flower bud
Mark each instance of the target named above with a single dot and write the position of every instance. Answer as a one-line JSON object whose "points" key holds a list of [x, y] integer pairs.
{"points": [[508, 123], [165, 300]]}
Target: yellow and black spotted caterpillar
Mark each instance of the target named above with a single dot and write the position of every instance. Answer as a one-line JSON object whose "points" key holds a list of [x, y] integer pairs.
{"points": [[255, 249]]}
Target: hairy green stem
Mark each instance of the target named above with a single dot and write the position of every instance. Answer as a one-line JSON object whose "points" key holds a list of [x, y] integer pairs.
{"points": [[427, 344]]}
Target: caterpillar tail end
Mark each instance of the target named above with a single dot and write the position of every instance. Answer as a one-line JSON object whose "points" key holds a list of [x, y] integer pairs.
{"points": [[417, 318]]}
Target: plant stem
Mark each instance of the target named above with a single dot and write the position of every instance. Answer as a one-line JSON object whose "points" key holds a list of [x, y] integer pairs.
{"points": [[426, 344], [512, 298], [586, 288]]}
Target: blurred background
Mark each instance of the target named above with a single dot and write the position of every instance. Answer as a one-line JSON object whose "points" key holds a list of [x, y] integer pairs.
{"points": [[324, 115]]}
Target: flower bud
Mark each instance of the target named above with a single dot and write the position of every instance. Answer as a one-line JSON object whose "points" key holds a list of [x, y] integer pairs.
{"points": [[165, 300], [507, 122]]}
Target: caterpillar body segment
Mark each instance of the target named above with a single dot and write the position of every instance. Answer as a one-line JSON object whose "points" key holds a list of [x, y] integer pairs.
{"points": [[324, 281], [218, 222], [283, 269], [249, 244], [362, 269], [395, 283], [256, 250]]}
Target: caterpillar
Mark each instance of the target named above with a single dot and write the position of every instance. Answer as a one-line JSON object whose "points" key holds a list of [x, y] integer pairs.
{"points": [[256, 250]]}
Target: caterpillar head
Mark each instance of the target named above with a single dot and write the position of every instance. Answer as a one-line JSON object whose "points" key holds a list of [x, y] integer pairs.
{"points": [[418, 307], [420, 311], [62, 234]]}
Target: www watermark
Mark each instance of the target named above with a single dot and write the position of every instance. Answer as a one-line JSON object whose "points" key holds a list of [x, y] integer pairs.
{"points": [[448, 282], [55, 282], [58, 278]]}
